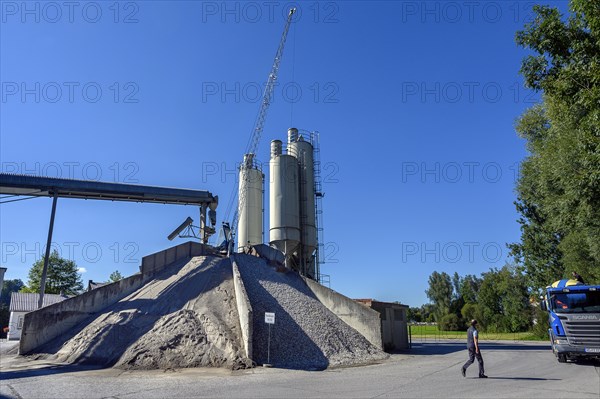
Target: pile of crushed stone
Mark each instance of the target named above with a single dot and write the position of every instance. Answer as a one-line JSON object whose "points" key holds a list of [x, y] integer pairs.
{"points": [[306, 335], [185, 317]]}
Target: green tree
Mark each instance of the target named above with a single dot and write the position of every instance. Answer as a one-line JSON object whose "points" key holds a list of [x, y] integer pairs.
{"points": [[469, 287], [539, 329], [558, 192], [115, 276], [504, 301], [472, 311], [4, 319], [414, 315], [427, 311], [62, 276], [440, 293], [456, 281], [451, 322], [8, 287]]}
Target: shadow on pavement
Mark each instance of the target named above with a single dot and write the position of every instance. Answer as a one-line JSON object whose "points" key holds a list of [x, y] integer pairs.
{"points": [[514, 347], [42, 371], [443, 348], [440, 348], [524, 378]]}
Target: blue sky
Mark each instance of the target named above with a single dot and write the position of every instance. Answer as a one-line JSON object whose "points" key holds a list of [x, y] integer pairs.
{"points": [[415, 103]]}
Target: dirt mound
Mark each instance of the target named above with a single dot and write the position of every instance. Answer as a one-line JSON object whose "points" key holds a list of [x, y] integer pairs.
{"points": [[185, 317]]}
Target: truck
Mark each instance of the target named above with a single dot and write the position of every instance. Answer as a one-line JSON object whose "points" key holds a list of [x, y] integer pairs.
{"points": [[574, 320]]}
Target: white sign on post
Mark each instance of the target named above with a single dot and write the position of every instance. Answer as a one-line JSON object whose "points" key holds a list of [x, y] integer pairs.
{"points": [[269, 318]]}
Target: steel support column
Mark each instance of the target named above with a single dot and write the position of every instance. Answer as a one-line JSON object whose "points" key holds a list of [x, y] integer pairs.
{"points": [[47, 257]]}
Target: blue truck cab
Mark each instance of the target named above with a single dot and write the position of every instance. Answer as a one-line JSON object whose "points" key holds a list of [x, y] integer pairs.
{"points": [[574, 317]]}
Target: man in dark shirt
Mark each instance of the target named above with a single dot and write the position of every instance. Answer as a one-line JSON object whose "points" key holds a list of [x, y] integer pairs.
{"points": [[474, 352], [577, 277]]}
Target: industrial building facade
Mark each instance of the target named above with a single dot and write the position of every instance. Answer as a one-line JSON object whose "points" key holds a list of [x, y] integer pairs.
{"points": [[394, 326]]}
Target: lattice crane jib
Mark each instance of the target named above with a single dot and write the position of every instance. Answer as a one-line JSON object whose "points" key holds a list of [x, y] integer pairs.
{"points": [[259, 124]]}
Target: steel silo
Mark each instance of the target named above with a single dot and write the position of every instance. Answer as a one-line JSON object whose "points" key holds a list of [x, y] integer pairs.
{"points": [[302, 150], [284, 207], [250, 225]]}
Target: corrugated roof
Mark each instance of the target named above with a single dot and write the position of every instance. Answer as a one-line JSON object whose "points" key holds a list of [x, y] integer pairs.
{"points": [[27, 302], [370, 302], [93, 285]]}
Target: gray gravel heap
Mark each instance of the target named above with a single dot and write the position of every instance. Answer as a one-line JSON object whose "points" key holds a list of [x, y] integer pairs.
{"points": [[306, 335], [185, 317]]}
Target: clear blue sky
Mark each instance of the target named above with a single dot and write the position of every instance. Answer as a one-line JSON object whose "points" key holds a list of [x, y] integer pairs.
{"points": [[415, 102]]}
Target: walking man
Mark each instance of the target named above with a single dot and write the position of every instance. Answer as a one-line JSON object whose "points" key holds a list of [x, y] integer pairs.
{"points": [[474, 352]]}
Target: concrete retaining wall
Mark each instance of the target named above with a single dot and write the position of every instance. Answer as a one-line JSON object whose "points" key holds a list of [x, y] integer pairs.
{"points": [[151, 264], [43, 325], [244, 308], [363, 319]]}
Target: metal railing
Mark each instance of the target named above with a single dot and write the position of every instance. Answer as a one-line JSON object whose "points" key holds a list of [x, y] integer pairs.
{"points": [[430, 333]]}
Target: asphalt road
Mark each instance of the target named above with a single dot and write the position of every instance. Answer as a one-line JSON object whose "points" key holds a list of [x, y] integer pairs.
{"points": [[430, 370]]}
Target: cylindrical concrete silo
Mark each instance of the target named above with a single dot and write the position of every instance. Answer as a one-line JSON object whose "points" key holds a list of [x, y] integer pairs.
{"points": [[250, 211], [303, 151], [284, 207]]}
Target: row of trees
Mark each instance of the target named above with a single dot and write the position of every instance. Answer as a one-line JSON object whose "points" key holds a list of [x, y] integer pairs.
{"points": [[499, 299], [558, 192]]}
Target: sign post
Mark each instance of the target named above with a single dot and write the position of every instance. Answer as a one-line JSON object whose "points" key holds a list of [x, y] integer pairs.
{"points": [[269, 319]]}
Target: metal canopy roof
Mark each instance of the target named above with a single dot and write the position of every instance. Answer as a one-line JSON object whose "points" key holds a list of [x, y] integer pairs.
{"points": [[28, 302], [84, 189]]}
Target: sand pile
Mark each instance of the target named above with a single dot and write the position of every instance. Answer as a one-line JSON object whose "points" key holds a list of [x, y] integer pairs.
{"points": [[306, 334], [185, 317]]}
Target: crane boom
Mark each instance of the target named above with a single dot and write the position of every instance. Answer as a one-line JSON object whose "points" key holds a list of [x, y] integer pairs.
{"points": [[259, 124], [269, 88]]}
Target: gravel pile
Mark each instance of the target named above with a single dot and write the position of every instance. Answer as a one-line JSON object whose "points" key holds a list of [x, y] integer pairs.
{"points": [[185, 317], [306, 335]]}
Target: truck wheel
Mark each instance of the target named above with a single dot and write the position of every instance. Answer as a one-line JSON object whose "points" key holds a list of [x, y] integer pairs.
{"points": [[562, 358]]}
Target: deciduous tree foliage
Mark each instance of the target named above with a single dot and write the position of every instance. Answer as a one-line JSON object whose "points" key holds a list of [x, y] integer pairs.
{"points": [[469, 287], [421, 314], [558, 193], [440, 293], [8, 287], [499, 300], [503, 301], [62, 276]]}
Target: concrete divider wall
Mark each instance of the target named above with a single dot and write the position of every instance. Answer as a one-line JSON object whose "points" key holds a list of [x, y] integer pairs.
{"points": [[157, 261], [363, 319], [244, 308], [43, 325]]}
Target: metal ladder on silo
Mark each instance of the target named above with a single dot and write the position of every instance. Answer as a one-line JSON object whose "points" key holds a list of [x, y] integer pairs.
{"points": [[321, 278]]}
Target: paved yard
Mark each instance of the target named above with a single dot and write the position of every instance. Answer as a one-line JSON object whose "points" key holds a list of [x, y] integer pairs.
{"points": [[430, 370]]}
